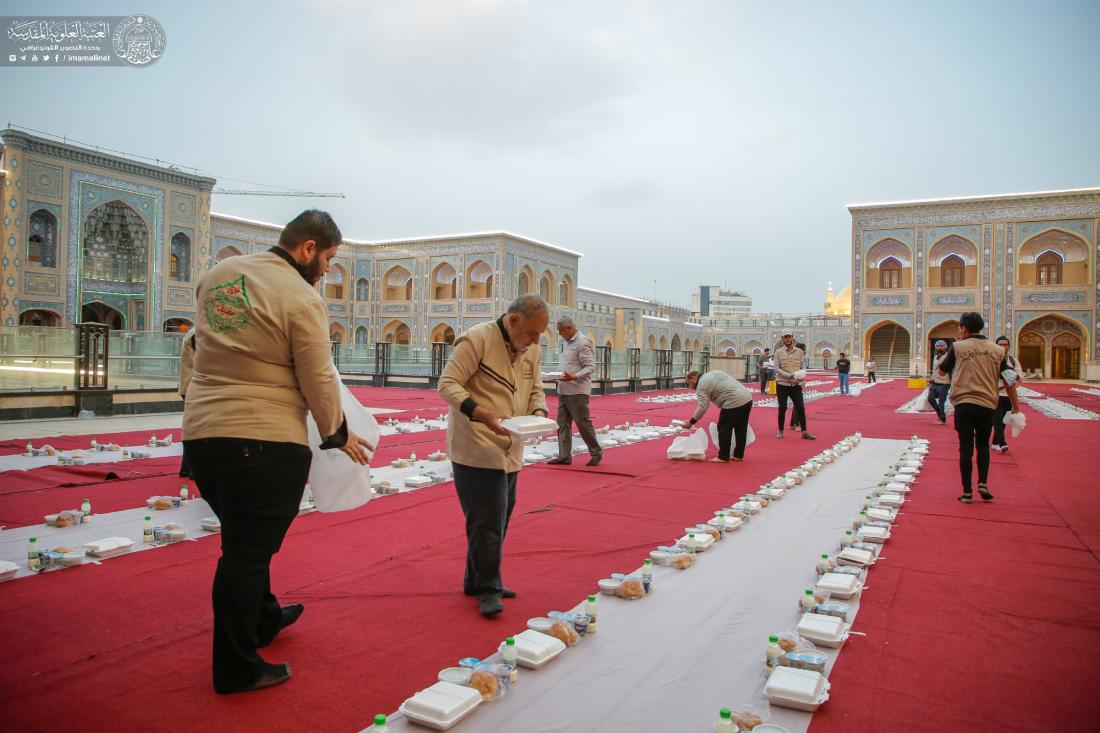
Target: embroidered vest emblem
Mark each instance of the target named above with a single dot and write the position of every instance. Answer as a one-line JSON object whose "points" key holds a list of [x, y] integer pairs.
{"points": [[227, 307]]}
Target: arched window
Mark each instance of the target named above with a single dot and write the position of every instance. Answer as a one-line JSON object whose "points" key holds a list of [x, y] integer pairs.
{"points": [[42, 242], [489, 286], [334, 284], [477, 277], [546, 288], [524, 282], [336, 334], [1050, 268], [361, 336], [444, 282], [889, 274], [565, 292], [397, 283], [362, 289], [181, 257], [952, 269]]}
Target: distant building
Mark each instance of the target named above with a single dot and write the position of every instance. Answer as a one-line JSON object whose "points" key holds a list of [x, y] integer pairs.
{"points": [[713, 301], [1026, 262]]}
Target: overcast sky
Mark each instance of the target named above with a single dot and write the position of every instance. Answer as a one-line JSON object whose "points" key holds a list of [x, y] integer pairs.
{"points": [[673, 142]]}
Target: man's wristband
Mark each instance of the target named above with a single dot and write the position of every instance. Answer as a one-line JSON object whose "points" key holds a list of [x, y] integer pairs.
{"points": [[467, 407]]}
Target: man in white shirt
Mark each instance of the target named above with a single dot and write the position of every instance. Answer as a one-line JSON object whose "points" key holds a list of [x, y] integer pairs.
{"points": [[577, 364]]}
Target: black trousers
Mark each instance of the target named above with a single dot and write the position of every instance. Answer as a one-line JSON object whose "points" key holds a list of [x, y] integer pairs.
{"points": [[765, 377], [255, 488], [574, 407], [783, 392], [1004, 406], [733, 426], [488, 497], [185, 464], [973, 423], [937, 395], [871, 377]]}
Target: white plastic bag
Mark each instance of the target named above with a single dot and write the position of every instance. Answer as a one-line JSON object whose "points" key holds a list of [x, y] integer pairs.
{"points": [[924, 404], [750, 436], [1018, 421], [855, 390], [800, 375], [689, 447], [338, 484]]}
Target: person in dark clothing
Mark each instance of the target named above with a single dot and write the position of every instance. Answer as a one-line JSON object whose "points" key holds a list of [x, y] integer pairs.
{"points": [[977, 370], [795, 424], [1004, 404], [765, 371], [843, 368]]}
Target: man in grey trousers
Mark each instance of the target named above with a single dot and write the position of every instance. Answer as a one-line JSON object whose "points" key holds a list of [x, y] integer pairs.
{"points": [[577, 364]]}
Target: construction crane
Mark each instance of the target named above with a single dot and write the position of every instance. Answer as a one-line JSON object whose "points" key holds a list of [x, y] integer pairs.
{"points": [[241, 192]]}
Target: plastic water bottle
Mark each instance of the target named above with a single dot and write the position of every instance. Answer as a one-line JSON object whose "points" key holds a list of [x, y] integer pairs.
{"points": [[647, 574], [32, 554], [511, 657], [823, 564], [725, 722], [380, 724], [412, 456], [773, 653], [691, 543], [809, 603], [590, 611], [184, 499], [866, 502], [86, 508], [147, 533], [848, 539]]}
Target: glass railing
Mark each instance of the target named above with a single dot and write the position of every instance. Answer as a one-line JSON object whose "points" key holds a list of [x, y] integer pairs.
{"points": [[34, 357], [144, 360]]}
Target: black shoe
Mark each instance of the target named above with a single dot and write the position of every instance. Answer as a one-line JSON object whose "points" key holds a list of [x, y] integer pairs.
{"points": [[289, 614], [507, 593], [966, 498], [274, 674], [560, 461], [490, 605], [984, 493], [807, 436], [594, 461]]}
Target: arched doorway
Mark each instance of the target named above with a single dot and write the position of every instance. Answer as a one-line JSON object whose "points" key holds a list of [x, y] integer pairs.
{"points": [[97, 312], [177, 325], [336, 334], [889, 345], [1051, 346], [443, 333], [946, 331], [675, 342], [39, 317], [397, 333]]}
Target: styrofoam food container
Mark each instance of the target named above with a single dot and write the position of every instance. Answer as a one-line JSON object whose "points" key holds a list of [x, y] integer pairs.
{"points": [[441, 705], [539, 623], [800, 689], [703, 541], [891, 499], [211, 524], [827, 631], [608, 586], [72, 559], [773, 493], [903, 478], [455, 675], [749, 507], [109, 546], [852, 556], [529, 425], [878, 535], [881, 514], [51, 519], [8, 570], [418, 482], [534, 649], [897, 487], [840, 585], [769, 728], [908, 470]]}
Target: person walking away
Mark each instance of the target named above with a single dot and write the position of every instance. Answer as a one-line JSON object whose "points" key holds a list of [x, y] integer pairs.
{"points": [[765, 370], [262, 360], [734, 401], [789, 375], [493, 374], [577, 364], [977, 370], [843, 368], [1004, 404], [939, 384], [870, 367]]}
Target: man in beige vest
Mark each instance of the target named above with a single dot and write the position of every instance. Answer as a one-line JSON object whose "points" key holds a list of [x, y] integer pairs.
{"points": [[978, 368], [262, 359], [493, 374]]}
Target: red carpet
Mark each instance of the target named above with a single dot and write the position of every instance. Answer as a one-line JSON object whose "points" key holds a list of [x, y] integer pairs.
{"points": [[979, 618]]}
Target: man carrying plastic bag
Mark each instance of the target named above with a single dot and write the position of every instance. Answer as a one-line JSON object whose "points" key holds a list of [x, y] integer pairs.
{"points": [[735, 401], [337, 483], [688, 447]]}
